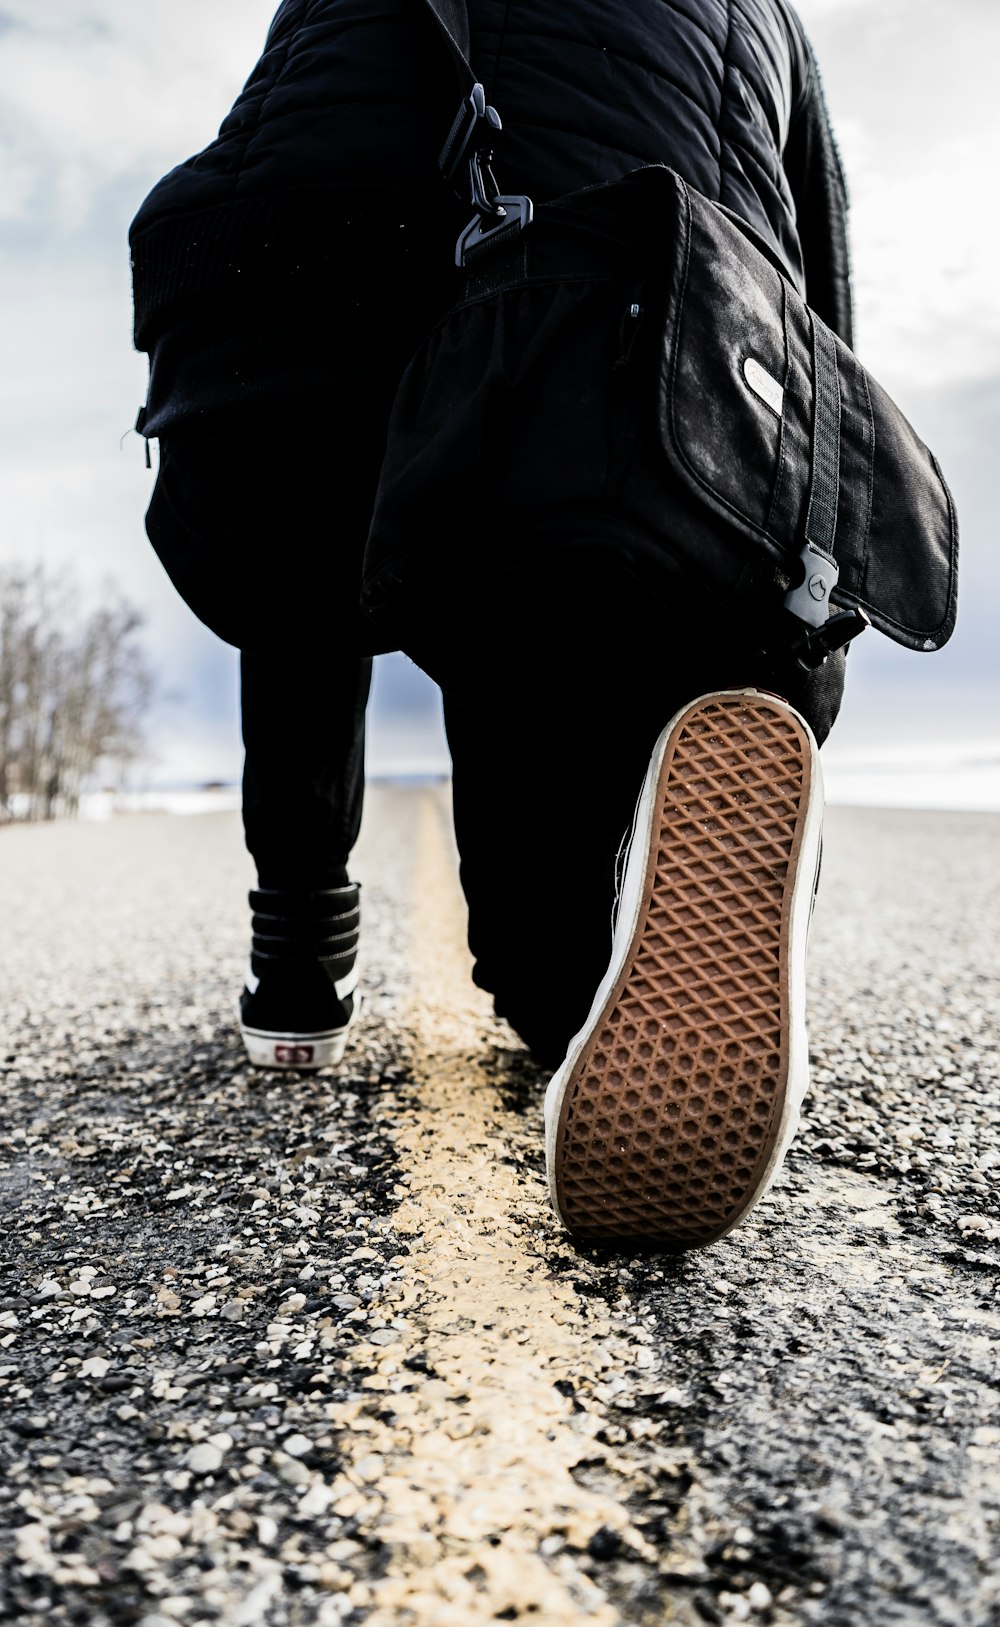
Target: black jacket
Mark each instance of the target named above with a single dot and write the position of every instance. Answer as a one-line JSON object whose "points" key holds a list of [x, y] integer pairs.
{"points": [[344, 115]]}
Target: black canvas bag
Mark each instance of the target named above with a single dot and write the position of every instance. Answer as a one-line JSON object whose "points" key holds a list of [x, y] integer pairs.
{"points": [[631, 360]]}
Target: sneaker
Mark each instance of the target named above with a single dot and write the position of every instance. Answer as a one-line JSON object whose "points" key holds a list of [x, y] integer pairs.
{"points": [[300, 996], [678, 1099]]}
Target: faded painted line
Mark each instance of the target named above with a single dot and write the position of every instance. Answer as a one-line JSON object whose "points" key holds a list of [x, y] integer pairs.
{"points": [[467, 1475]]}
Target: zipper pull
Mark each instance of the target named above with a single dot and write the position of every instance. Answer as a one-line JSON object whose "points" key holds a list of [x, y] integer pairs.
{"points": [[628, 333], [140, 420]]}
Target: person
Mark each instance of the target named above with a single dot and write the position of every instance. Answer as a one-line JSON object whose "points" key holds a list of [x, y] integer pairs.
{"points": [[283, 278]]}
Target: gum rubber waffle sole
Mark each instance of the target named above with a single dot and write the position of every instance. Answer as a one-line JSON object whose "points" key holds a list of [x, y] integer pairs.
{"points": [[680, 1095]]}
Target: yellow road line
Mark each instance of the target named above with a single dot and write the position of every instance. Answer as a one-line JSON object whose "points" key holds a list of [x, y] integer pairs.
{"points": [[476, 1469]]}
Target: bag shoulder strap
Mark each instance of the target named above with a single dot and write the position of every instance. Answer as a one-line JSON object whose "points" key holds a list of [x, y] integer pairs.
{"points": [[451, 17], [469, 144]]}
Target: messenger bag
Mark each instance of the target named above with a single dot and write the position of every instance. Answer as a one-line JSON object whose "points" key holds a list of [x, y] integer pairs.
{"points": [[790, 477]]}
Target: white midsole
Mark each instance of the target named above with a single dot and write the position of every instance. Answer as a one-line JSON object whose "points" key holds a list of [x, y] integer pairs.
{"points": [[327, 1047], [633, 887]]}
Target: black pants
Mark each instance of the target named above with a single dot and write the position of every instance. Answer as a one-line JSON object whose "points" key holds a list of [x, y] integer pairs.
{"points": [[553, 700]]}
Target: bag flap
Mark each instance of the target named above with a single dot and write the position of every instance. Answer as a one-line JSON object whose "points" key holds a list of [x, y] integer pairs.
{"points": [[737, 417]]}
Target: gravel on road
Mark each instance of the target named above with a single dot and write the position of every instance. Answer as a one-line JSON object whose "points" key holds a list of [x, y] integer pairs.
{"points": [[289, 1349]]}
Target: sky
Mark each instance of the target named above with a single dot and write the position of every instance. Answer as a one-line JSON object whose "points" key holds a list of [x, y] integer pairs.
{"points": [[99, 97]]}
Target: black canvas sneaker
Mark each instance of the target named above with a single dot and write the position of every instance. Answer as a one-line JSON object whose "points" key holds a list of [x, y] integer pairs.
{"points": [[300, 996], [679, 1097]]}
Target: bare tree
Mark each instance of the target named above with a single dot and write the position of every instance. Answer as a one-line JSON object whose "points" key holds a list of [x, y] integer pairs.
{"points": [[74, 689]]}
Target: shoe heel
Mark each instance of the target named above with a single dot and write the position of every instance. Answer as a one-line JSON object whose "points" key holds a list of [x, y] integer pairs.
{"points": [[298, 1053]]}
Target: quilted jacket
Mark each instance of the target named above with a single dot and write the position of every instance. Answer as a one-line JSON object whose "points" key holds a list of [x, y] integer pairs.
{"points": [[345, 113]]}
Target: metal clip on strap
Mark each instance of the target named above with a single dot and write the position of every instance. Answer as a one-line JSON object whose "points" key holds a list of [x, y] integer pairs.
{"points": [[473, 111], [470, 140]]}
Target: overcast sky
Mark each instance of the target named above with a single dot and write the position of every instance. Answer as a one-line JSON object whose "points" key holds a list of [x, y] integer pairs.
{"points": [[99, 97]]}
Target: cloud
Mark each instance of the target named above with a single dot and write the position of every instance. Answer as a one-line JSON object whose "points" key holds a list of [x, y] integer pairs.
{"points": [[910, 86], [99, 97], [91, 90]]}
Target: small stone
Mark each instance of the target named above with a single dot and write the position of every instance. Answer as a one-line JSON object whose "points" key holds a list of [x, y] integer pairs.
{"points": [[674, 1397], [369, 1468], [76, 1576], [116, 1382], [94, 1367], [604, 1544], [759, 1597], [296, 1445], [32, 1427], [163, 1546], [32, 1544], [316, 1500], [737, 1608], [333, 1577], [290, 1470], [204, 1458]]}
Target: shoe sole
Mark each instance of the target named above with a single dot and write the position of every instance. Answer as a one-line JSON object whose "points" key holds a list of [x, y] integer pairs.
{"points": [[298, 1053], [679, 1097]]}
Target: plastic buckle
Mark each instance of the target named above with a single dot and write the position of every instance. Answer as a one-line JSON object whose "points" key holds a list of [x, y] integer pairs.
{"points": [[511, 213], [813, 647], [808, 600]]}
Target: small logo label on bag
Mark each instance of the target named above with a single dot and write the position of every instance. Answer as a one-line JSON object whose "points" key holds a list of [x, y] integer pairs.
{"points": [[764, 386], [817, 587], [294, 1055]]}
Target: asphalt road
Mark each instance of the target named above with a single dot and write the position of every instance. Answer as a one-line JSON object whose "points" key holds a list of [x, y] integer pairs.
{"points": [[278, 1350]]}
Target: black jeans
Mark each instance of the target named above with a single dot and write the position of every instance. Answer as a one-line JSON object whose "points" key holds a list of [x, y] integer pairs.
{"points": [[551, 718], [554, 693], [303, 773]]}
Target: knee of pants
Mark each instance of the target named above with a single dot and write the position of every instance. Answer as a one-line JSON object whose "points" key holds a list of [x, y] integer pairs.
{"points": [[818, 694], [254, 549]]}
